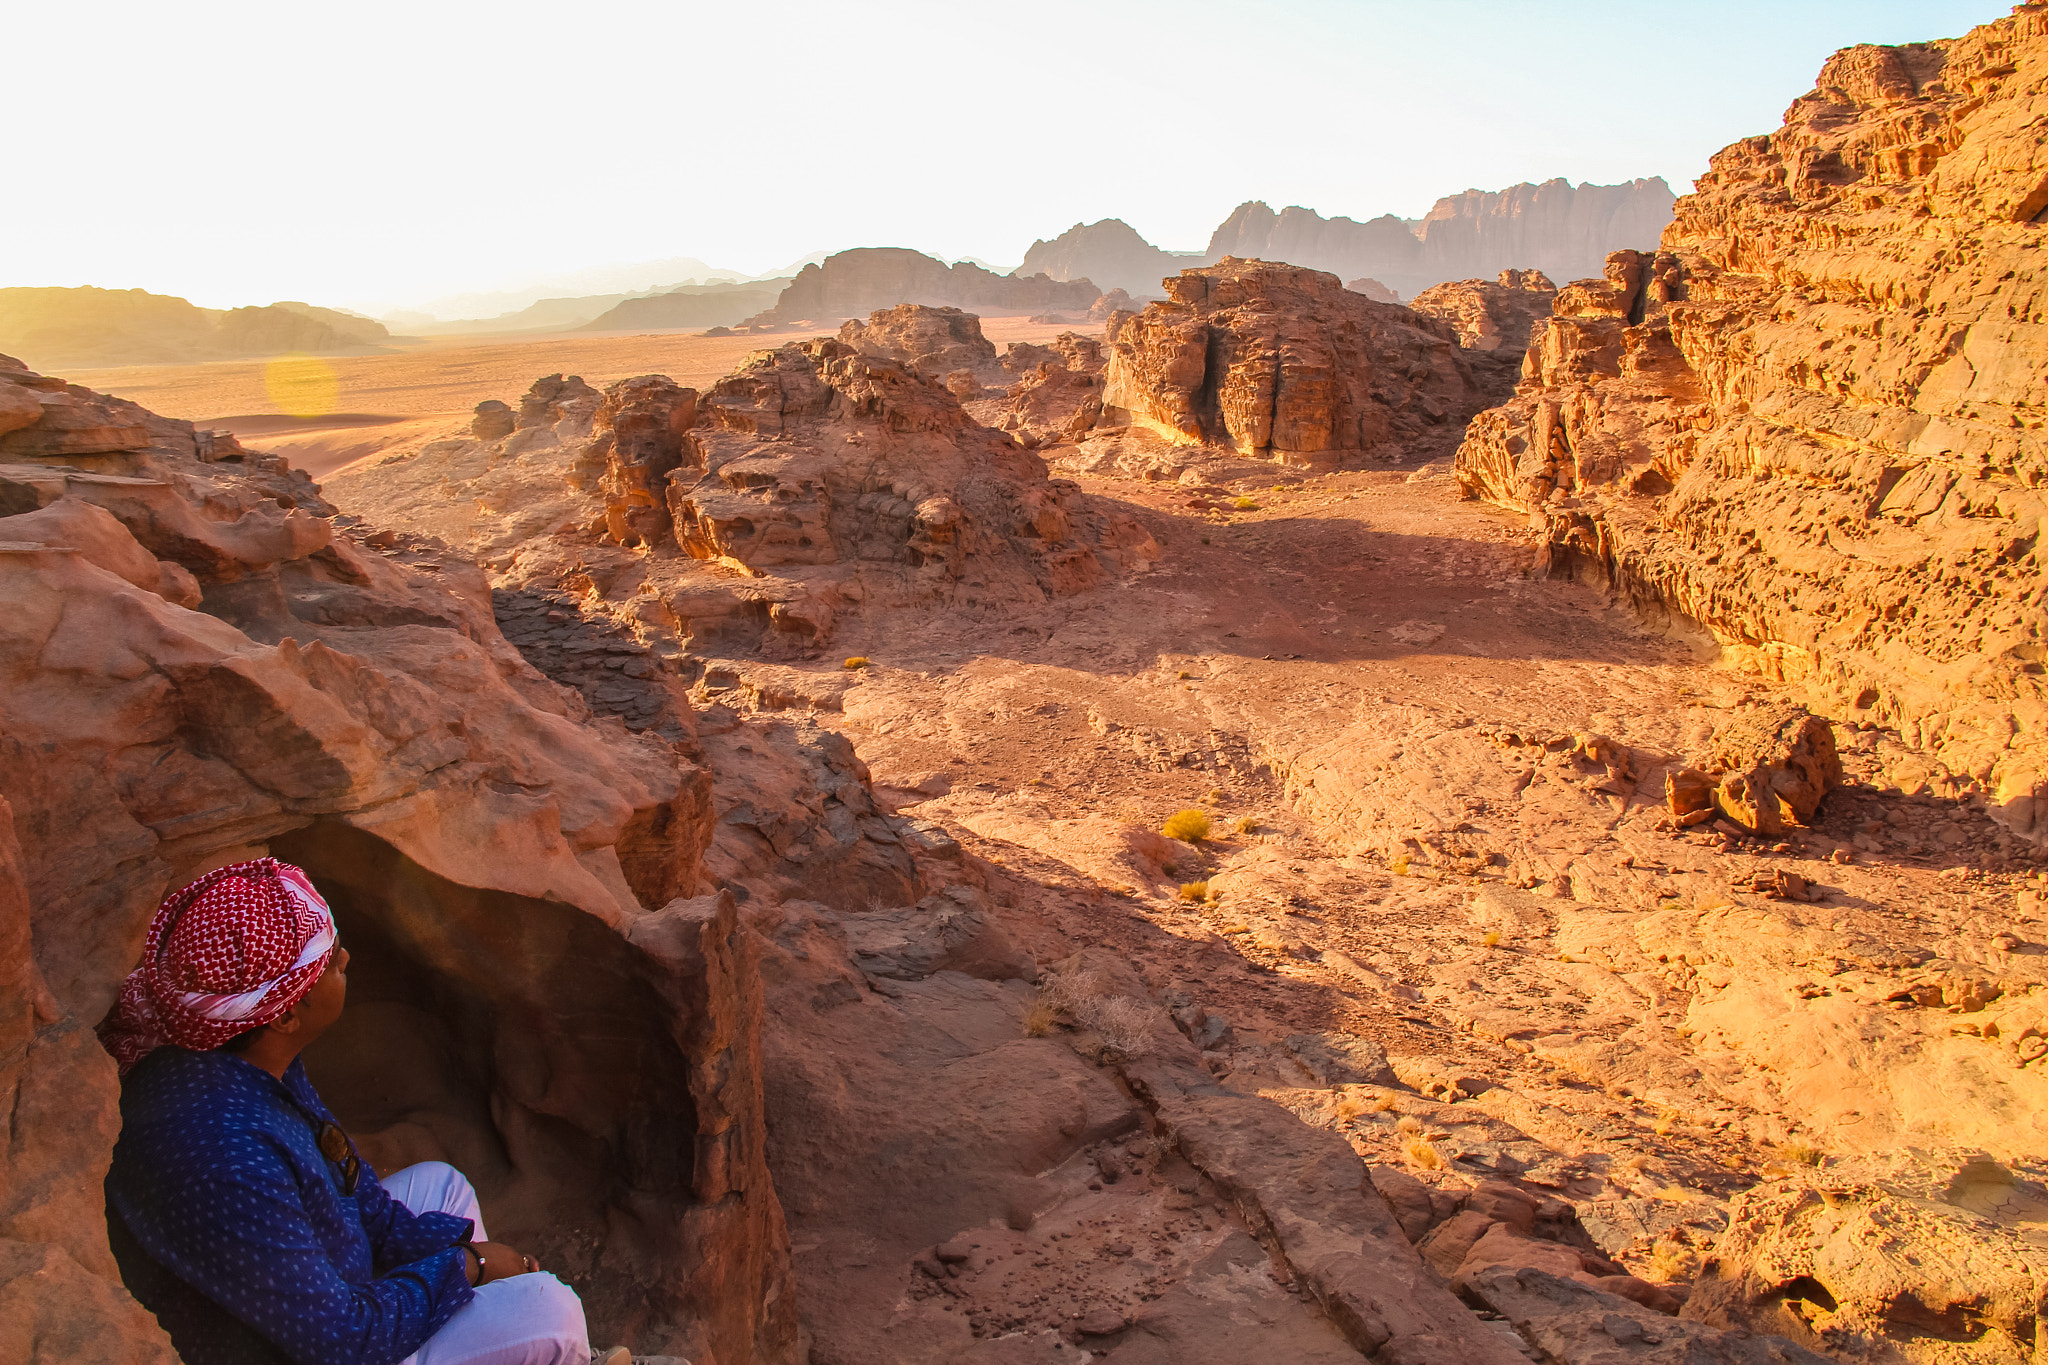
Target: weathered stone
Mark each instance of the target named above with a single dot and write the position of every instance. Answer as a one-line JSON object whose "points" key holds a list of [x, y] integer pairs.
{"points": [[1285, 364], [1806, 422], [1776, 764], [932, 341]]}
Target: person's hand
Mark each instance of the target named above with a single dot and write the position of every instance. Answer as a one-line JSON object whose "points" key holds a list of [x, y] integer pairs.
{"points": [[501, 1262]]}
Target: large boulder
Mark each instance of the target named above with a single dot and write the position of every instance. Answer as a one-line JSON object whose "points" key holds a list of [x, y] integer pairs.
{"points": [[1285, 364]]}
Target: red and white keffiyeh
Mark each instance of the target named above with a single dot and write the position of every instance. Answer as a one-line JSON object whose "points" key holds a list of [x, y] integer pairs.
{"points": [[225, 954]]}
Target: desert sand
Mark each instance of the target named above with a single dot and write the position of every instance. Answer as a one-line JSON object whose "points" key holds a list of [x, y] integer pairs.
{"points": [[383, 401]]}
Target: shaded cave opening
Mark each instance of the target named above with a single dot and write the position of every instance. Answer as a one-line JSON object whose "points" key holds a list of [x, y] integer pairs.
{"points": [[519, 1040]]}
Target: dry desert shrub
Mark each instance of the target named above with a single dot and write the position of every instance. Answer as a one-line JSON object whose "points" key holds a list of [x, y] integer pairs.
{"points": [[1194, 891], [1121, 1022], [1491, 938], [1422, 1152], [1039, 1019], [1067, 991], [857, 661], [1410, 1125], [1245, 824], [1672, 1262], [1246, 505], [1189, 826], [1800, 1153], [1399, 867]]}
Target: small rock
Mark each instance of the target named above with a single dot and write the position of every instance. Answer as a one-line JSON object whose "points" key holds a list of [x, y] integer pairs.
{"points": [[1101, 1322]]}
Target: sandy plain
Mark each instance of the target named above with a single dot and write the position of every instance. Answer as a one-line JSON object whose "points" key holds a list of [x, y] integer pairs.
{"points": [[413, 392]]}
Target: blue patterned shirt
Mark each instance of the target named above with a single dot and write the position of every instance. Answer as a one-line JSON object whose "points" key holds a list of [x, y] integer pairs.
{"points": [[232, 1228]]}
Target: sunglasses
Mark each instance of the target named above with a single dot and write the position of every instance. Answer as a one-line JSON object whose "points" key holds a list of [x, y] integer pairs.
{"points": [[335, 1146]]}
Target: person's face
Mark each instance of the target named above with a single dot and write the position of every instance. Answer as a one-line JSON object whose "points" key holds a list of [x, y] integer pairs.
{"points": [[320, 1006]]}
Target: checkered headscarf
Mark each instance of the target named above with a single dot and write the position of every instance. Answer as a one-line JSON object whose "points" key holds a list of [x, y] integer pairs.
{"points": [[226, 954]]}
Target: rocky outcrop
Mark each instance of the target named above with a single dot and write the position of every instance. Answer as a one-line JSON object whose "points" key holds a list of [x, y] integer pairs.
{"points": [[1770, 768], [1489, 315], [1055, 393], [748, 518], [1372, 289], [932, 341], [856, 283], [199, 665], [1285, 364], [638, 435], [817, 455], [1109, 253], [1806, 422], [1562, 230]]}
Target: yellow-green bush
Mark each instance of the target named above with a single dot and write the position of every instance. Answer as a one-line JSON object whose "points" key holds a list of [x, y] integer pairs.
{"points": [[1189, 826]]}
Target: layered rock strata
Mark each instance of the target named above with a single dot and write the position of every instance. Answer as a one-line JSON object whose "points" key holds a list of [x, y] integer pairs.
{"points": [[1811, 423], [198, 666], [1285, 364]]}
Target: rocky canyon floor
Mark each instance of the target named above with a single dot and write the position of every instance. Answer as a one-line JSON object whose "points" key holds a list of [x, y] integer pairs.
{"points": [[1442, 925], [1442, 914]]}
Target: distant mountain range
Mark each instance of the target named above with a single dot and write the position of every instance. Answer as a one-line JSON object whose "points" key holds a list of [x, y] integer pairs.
{"points": [[1561, 229], [617, 281], [83, 327]]}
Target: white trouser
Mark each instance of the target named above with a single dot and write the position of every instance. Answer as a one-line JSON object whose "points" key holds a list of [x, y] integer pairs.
{"points": [[523, 1320]]}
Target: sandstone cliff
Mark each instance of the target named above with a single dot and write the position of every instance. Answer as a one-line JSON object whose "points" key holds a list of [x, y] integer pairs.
{"points": [[1110, 254], [1557, 228], [1285, 363], [856, 283], [1810, 422], [200, 663]]}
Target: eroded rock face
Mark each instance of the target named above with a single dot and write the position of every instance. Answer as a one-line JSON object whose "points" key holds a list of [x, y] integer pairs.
{"points": [[1489, 315], [1056, 393], [1863, 1272], [1285, 364], [815, 454], [356, 710], [932, 341], [1805, 423]]}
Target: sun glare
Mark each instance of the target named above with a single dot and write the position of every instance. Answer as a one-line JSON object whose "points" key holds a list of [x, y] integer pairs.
{"points": [[302, 386]]}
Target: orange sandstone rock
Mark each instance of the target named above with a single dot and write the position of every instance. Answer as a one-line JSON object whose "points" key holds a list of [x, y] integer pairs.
{"points": [[1286, 364], [1811, 421]]}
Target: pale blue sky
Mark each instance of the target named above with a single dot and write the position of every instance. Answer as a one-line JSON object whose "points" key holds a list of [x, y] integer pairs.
{"points": [[373, 154]]}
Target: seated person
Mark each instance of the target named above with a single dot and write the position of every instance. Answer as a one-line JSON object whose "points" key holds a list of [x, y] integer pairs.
{"points": [[240, 1212]]}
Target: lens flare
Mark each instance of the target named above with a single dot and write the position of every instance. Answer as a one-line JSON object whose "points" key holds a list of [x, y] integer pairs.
{"points": [[302, 386]]}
